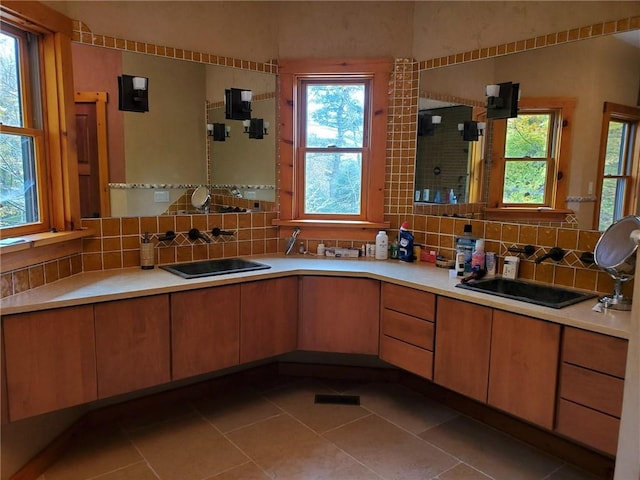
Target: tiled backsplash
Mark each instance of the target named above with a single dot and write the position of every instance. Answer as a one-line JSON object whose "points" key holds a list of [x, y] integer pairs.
{"points": [[33, 276]]}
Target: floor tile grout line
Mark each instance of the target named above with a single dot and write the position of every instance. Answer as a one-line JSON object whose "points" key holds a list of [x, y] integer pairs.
{"points": [[146, 460]]}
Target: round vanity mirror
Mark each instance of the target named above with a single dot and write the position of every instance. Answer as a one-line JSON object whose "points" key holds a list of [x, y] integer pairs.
{"points": [[615, 253], [200, 197]]}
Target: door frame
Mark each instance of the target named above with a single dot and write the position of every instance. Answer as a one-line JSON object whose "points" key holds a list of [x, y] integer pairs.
{"points": [[100, 101]]}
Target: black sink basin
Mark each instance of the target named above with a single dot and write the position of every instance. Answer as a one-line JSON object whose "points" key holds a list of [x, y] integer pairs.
{"points": [[207, 268], [545, 295]]}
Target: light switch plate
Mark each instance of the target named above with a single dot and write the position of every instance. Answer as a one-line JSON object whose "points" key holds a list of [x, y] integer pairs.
{"points": [[161, 196]]}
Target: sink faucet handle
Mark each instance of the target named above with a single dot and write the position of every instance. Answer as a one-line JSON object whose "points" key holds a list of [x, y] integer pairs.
{"points": [[556, 254]]}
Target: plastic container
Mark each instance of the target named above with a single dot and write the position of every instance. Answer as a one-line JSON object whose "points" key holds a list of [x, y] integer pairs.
{"points": [[490, 263], [510, 269], [477, 257], [466, 244], [405, 244], [382, 245]]}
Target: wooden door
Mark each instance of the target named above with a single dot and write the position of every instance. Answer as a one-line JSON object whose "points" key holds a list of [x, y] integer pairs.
{"points": [[88, 167], [205, 330], [268, 318], [339, 315], [50, 360], [463, 347], [132, 344], [524, 367]]}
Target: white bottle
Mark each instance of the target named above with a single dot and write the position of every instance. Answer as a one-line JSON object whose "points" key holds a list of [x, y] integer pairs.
{"points": [[382, 245]]}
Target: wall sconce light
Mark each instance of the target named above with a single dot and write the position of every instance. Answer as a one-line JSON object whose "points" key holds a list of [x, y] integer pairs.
{"points": [[502, 100], [256, 128], [237, 104], [219, 131], [427, 123], [133, 93], [471, 130]]}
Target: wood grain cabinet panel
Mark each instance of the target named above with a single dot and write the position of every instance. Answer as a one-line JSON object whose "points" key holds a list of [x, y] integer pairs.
{"points": [[588, 426], [592, 389], [205, 330], [595, 351], [463, 347], [339, 315], [409, 300], [268, 318], [524, 367], [132, 344], [408, 329], [406, 356], [50, 360]]}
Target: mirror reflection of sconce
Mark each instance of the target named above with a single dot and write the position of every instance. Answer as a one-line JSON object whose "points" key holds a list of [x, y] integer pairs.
{"points": [[133, 93], [256, 128], [502, 100], [237, 104], [219, 131], [427, 123], [471, 131]]}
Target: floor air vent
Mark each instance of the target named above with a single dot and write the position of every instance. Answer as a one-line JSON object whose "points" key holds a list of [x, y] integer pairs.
{"points": [[338, 399]]}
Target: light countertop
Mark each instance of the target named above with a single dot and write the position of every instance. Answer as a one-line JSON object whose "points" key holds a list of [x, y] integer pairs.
{"points": [[92, 287]]}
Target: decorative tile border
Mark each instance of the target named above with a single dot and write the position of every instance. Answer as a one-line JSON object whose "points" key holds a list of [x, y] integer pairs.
{"points": [[81, 33], [557, 38]]}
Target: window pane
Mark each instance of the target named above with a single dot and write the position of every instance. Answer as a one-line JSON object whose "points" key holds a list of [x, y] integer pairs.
{"points": [[10, 96], [612, 201], [333, 183], [524, 181], [335, 115], [614, 159], [528, 136], [18, 190]]}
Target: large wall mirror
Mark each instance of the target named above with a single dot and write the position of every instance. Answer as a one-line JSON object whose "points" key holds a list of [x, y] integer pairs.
{"points": [[156, 158], [592, 71]]}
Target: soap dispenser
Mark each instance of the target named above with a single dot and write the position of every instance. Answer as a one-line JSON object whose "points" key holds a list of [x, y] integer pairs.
{"points": [[147, 253]]}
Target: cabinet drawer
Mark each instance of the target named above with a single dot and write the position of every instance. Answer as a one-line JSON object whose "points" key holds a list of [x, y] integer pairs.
{"points": [[409, 329], [588, 426], [592, 389], [406, 356], [410, 301], [595, 351]]}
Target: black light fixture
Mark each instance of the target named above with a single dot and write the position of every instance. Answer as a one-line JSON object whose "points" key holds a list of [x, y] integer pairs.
{"points": [[427, 123], [256, 128], [219, 131], [133, 93], [502, 100], [237, 104], [471, 131]]}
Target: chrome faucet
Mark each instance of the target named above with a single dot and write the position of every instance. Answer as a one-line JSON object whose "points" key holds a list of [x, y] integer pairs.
{"points": [[556, 254]]}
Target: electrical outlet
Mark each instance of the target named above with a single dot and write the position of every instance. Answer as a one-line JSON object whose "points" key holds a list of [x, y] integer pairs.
{"points": [[161, 196], [590, 190], [250, 194]]}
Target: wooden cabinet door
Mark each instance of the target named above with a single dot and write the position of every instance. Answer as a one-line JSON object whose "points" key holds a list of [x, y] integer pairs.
{"points": [[132, 344], [268, 318], [205, 330], [340, 315], [463, 346], [50, 360], [524, 367]]}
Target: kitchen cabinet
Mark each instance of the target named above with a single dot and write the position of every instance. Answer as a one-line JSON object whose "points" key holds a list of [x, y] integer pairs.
{"points": [[132, 344], [50, 360], [463, 347], [268, 318], [523, 367], [339, 315], [407, 328], [591, 388], [205, 330]]}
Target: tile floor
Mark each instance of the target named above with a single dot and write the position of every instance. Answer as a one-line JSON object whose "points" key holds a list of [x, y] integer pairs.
{"points": [[273, 429]]}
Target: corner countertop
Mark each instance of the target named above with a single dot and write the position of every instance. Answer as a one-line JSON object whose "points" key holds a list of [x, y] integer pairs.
{"points": [[107, 285]]}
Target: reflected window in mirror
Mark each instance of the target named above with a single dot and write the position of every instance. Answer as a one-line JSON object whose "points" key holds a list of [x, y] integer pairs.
{"points": [[530, 157], [619, 152]]}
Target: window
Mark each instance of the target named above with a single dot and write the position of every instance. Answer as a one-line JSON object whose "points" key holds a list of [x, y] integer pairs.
{"points": [[528, 159], [38, 164], [22, 179], [619, 131], [530, 156], [333, 145], [332, 140]]}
